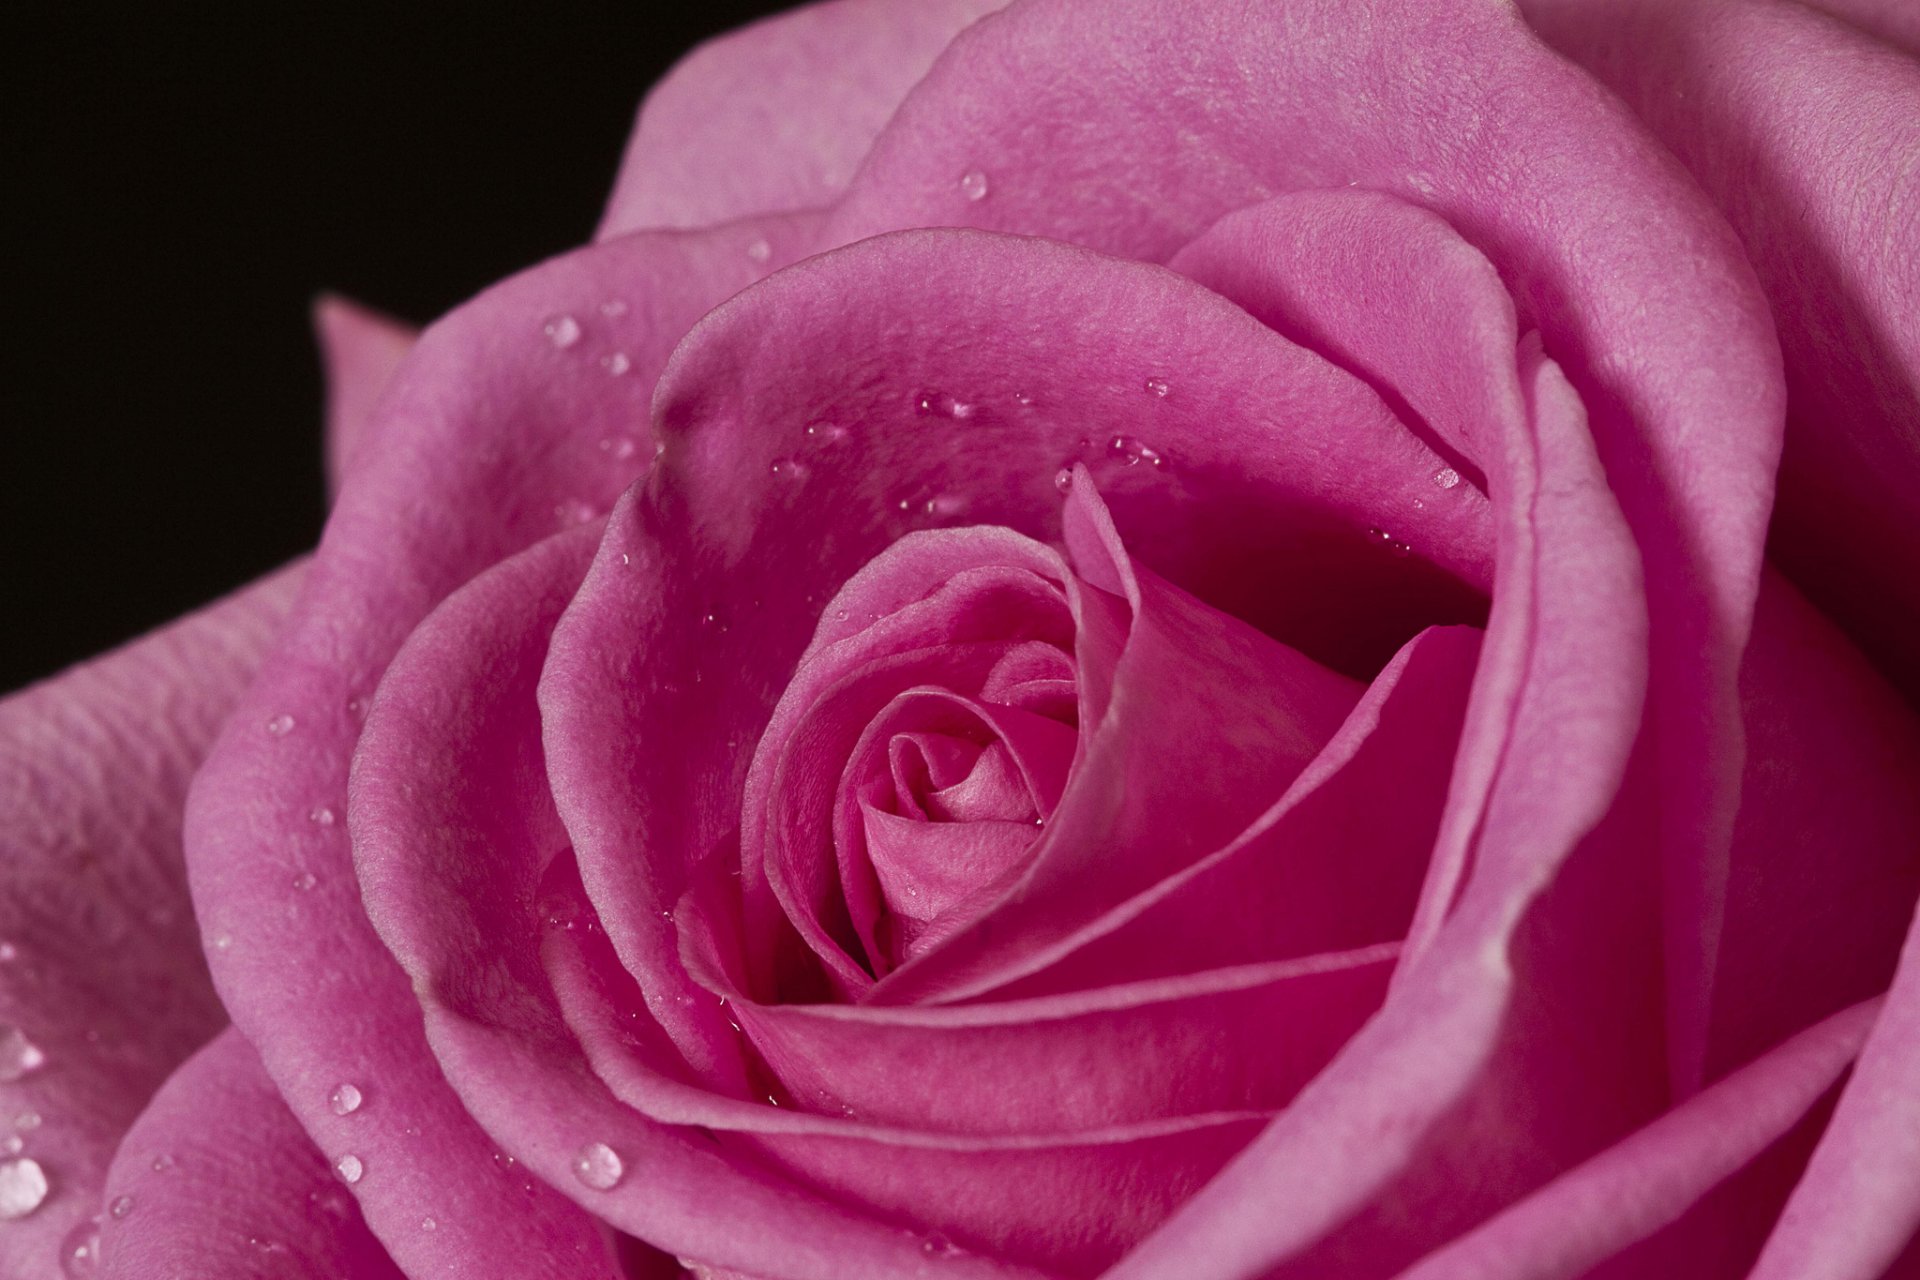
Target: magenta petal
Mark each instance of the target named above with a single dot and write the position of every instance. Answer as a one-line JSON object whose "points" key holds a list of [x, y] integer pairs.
{"points": [[453, 826], [361, 349], [511, 407], [216, 1180], [100, 963], [778, 115], [1652, 1179], [1806, 132]]}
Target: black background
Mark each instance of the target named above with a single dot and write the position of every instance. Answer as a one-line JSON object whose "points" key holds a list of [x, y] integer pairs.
{"points": [[179, 181]]}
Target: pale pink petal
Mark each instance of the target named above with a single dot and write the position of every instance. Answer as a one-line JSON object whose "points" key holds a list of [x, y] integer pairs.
{"points": [[103, 990], [1806, 132], [1649, 1190], [453, 825], [215, 1180], [778, 115], [510, 419], [360, 349]]}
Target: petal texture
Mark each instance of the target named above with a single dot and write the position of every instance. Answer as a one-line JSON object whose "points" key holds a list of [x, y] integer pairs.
{"points": [[360, 349], [778, 115], [103, 990], [216, 1180]]}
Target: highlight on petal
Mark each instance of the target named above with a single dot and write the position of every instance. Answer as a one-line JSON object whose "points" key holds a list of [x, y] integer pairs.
{"points": [[103, 990], [216, 1179], [360, 349], [777, 115]]}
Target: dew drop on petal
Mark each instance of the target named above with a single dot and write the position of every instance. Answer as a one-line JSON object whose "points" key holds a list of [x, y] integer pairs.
{"points": [[759, 251], [18, 1055], [428, 1224], [1158, 387], [1446, 477], [281, 725], [1129, 452], [223, 942], [121, 1206], [789, 469], [598, 1166], [613, 307], [349, 1168], [357, 707], [13, 1145], [320, 816], [562, 331], [305, 881], [80, 1250], [23, 1185], [973, 184], [345, 1100], [163, 1163], [616, 364], [8, 952], [826, 432], [619, 447]]}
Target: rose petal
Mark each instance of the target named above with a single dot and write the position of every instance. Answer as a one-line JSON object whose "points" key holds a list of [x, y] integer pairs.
{"points": [[216, 1179], [1656, 1178], [361, 349], [1328, 868], [777, 115], [502, 425], [1470, 1066], [100, 964], [453, 822], [1807, 135], [1083, 136]]}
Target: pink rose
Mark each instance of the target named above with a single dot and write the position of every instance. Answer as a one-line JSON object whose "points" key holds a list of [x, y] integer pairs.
{"points": [[1129, 638]]}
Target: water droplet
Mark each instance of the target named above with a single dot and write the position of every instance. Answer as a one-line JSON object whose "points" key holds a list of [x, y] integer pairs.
{"points": [[305, 881], [619, 447], [164, 1163], [121, 1206], [772, 1101], [973, 184], [428, 1224], [504, 1160], [616, 364], [80, 1251], [789, 469], [929, 404], [281, 725], [320, 816], [826, 432], [759, 251], [1158, 387], [349, 1168], [222, 942], [562, 331], [1063, 479], [18, 1055], [1023, 399], [262, 1244], [1446, 477], [8, 952], [14, 1144], [27, 1121], [945, 506], [598, 1166], [938, 1246], [345, 1100], [1129, 452], [613, 307], [1386, 540], [713, 622], [625, 558], [23, 1185], [357, 707]]}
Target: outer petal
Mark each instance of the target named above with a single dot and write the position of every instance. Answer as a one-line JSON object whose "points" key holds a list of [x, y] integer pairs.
{"points": [[100, 965], [216, 1181], [777, 115], [1657, 1176], [1807, 134], [361, 349], [453, 825], [511, 418]]}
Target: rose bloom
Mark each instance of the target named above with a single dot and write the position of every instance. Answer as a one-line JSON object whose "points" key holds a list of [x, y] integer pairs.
{"points": [[1106, 638]]}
